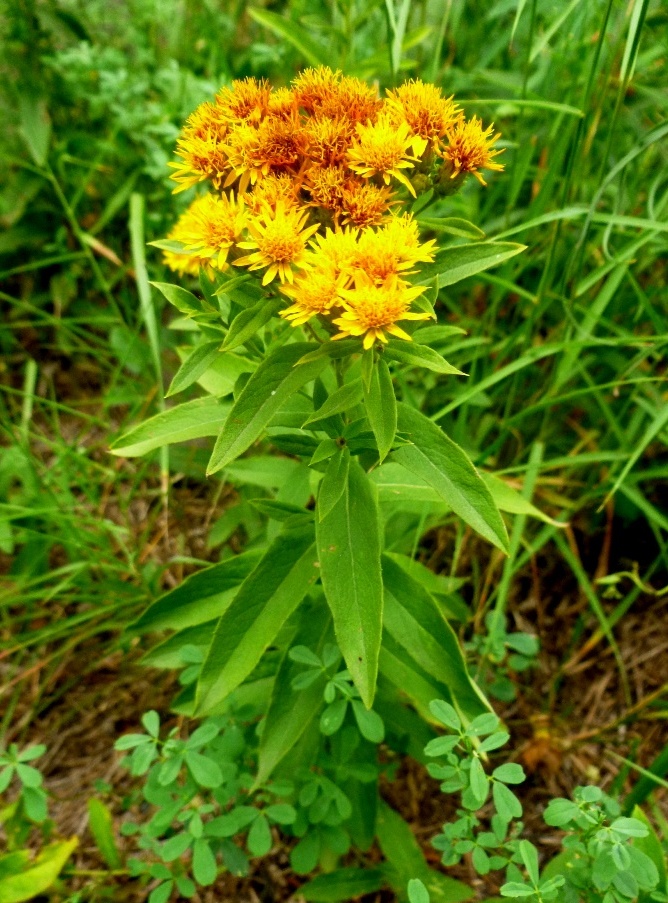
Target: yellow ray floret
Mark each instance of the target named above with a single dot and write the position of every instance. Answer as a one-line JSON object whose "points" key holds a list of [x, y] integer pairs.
{"points": [[314, 291], [470, 148], [391, 250], [212, 225], [334, 250], [382, 149], [279, 241], [184, 263], [267, 192], [201, 147], [372, 310], [428, 114]]}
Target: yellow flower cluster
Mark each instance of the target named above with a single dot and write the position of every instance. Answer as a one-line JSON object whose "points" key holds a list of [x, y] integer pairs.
{"points": [[306, 180]]}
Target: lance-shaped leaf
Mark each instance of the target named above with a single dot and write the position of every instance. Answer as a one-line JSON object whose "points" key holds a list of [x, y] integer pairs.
{"points": [[454, 264], [274, 381], [349, 547], [198, 362], [420, 356], [192, 420], [334, 481], [413, 619], [344, 398], [201, 597], [182, 299], [291, 711], [445, 466], [381, 407], [247, 323], [264, 602]]}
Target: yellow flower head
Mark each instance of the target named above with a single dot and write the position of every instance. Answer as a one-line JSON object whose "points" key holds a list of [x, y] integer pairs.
{"points": [[381, 149], [212, 225], [282, 103], [246, 101], [428, 114], [267, 192], [325, 185], [334, 250], [365, 204], [187, 263], [328, 94], [245, 161], [328, 140], [372, 310], [470, 148], [201, 147], [279, 241], [390, 251], [314, 291]]}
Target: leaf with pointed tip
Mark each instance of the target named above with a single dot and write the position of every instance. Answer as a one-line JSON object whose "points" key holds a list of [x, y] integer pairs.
{"points": [[381, 407], [277, 378], [435, 458], [349, 547]]}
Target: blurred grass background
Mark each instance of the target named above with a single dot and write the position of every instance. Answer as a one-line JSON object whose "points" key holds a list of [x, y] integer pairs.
{"points": [[566, 393]]}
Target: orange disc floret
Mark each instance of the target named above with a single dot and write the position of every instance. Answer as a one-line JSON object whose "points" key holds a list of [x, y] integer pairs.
{"points": [[470, 148], [278, 242], [382, 149], [281, 142], [313, 86], [354, 102], [423, 108], [365, 204], [213, 224], [313, 292], [282, 103], [327, 140], [372, 310], [246, 101], [325, 184]]}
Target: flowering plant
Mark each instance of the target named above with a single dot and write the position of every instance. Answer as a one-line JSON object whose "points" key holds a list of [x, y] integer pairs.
{"points": [[309, 250]]}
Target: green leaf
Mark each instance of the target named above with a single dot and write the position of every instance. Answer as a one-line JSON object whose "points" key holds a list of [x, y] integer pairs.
{"points": [[35, 125], [294, 34], [304, 857], [342, 885], [182, 300], [381, 407], [259, 837], [420, 356], [509, 773], [204, 865], [264, 602], [204, 770], [405, 861], [507, 804], [529, 855], [276, 379], [101, 826], [176, 846], [451, 225], [197, 362], [281, 813], [161, 893], [334, 482], [508, 499], [479, 781], [436, 459], [349, 546], [291, 712], [369, 723], [332, 717], [414, 620], [38, 876], [248, 323], [192, 420], [200, 598], [515, 889], [454, 264], [343, 399], [417, 892]]}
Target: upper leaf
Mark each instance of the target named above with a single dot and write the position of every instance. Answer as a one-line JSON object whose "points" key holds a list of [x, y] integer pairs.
{"points": [[274, 381], [446, 467]]}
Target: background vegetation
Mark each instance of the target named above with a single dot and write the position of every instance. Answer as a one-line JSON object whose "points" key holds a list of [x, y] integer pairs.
{"points": [[566, 356]]}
